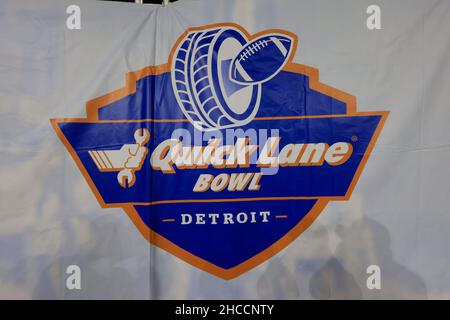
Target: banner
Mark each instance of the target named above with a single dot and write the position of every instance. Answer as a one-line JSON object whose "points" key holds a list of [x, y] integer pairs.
{"points": [[224, 150]]}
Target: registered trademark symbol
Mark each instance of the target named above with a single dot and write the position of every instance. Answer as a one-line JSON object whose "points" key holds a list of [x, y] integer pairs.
{"points": [[354, 138]]}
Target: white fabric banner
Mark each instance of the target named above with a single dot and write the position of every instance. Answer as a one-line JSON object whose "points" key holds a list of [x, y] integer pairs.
{"points": [[395, 221]]}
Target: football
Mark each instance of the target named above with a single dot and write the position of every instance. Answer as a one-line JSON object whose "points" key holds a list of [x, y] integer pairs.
{"points": [[261, 59]]}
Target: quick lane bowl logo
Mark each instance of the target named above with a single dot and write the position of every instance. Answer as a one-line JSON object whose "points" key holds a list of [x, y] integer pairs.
{"points": [[227, 153]]}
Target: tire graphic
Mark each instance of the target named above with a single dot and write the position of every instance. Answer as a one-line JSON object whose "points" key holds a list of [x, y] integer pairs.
{"points": [[200, 79]]}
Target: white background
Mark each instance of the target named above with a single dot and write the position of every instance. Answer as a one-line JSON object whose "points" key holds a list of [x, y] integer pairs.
{"points": [[398, 216]]}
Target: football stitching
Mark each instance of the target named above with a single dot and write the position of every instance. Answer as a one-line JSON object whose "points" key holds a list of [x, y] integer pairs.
{"points": [[253, 48]]}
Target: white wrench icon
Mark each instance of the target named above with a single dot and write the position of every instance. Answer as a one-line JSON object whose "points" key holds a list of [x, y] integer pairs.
{"points": [[126, 177]]}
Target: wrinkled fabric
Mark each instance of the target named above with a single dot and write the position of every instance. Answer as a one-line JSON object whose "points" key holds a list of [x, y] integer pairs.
{"points": [[397, 217]]}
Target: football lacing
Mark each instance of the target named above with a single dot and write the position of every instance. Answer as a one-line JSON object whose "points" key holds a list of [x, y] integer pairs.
{"points": [[252, 49]]}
